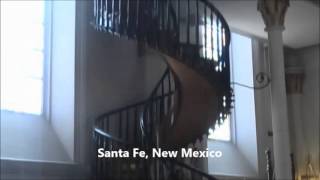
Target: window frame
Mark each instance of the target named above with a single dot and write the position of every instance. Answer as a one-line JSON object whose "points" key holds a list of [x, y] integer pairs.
{"points": [[48, 35]]}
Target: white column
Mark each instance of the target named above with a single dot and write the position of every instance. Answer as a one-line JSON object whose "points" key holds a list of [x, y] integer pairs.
{"points": [[273, 12]]}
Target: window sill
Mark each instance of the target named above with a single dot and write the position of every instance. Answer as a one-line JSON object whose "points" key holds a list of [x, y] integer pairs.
{"points": [[20, 115], [25, 136], [232, 162]]}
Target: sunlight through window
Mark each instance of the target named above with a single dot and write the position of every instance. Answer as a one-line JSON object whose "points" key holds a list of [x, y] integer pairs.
{"points": [[22, 56], [221, 132]]}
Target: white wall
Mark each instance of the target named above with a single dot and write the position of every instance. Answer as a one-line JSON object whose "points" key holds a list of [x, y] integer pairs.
{"points": [[29, 137], [63, 73], [310, 103], [232, 163], [112, 75], [306, 140]]}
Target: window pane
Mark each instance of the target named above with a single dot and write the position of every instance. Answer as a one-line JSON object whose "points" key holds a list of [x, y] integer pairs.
{"points": [[22, 56], [22, 95]]}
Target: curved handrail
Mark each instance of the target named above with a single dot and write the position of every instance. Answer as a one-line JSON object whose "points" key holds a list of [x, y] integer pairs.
{"points": [[165, 90], [159, 25], [111, 137], [174, 163]]}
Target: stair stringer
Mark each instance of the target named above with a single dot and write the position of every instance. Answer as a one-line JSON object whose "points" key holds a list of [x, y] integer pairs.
{"points": [[195, 112]]}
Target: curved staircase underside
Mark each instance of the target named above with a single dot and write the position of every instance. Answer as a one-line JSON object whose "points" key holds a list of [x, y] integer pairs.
{"points": [[197, 111]]}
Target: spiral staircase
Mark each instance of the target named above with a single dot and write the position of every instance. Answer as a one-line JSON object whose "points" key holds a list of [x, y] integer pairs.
{"points": [[193, 94]]}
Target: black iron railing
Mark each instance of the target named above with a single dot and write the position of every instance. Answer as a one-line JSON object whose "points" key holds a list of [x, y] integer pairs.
{"points": [[190, 31], [138, 168], [161, 107], [269, 170]]}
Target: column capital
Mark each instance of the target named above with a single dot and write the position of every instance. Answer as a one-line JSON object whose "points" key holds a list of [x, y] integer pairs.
{"points": [[294, 80], [273, 13]]}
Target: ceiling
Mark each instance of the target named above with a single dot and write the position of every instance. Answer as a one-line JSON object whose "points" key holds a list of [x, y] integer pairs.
{"points": [[301, 21]]}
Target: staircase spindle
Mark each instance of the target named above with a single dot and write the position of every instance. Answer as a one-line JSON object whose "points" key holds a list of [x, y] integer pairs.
{"points": [[293, 171], [101, 14], [127, 125], [127, 17], [178, 19], [120, 125], [103, 24], [269, 165], [197, 23], [107, 119], [135, 124], [167, 15], [108, 14], [162, 100], [211, 34], [162, 15], [119, 16], [205, 33], [188, 22], [96, 13], [137, 19], [113, 17]]}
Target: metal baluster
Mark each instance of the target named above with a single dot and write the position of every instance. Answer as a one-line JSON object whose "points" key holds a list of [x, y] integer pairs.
{"points": [[127, 17], [102, 124], [151, 119], [113, 17], [103, 7], [98, 160], [135, 123], [293, 171], [127, 124], [111, 172], [103, 160], [188, 22], [109, 12], [158, 19], [137, 15], [197, 25], [119, 17], [101, 15], [205, 32], [107, 119], [95, 11], [162, 100], [269, 165], [217, 39], [132, 19], [169, 97], [167, 14], [178, 19], [120, 125], [220, 41], [211, 34], [97, 14], [162, 15], [95, 158]]}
